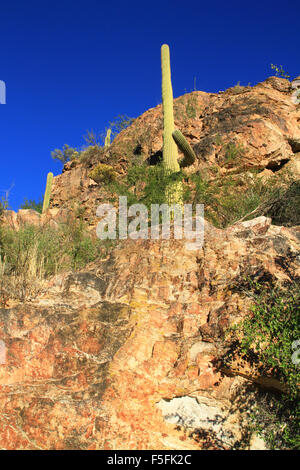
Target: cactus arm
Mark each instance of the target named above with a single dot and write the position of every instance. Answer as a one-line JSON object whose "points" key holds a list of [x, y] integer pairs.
{"points": [[47, 192], [107, 138], [170, 153], [183, 145]]}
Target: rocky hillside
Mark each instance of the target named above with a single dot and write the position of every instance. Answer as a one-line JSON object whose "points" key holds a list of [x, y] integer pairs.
{"points": [[241, 132], [244, 129], [128, 352]]}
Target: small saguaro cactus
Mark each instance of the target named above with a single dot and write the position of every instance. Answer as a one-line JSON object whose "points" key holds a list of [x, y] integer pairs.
{"points": [[172, 138], [47, 192], [107, 138]]}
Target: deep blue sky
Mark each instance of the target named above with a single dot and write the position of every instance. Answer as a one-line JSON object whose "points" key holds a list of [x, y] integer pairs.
{"points": [[73, 65]]}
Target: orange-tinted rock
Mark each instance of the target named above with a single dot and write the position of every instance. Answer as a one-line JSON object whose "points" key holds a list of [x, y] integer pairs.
{"points": [[90, 359]]}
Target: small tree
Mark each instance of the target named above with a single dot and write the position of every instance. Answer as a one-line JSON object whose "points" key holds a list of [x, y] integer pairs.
{"points": [[120, 122], [91, 138], [279, 71], [67, 153]]}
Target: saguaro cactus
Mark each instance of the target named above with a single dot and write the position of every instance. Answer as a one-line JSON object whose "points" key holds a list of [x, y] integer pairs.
{"points": [[170, 153], [171, 137], [107, 138], [47, 192]]}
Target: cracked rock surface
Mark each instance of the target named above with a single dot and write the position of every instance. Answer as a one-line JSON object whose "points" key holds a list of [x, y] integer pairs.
{"points": [[121, 354]]}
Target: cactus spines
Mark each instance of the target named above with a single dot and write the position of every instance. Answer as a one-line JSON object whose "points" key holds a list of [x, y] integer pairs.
{"points": [[170, 153], [184, 146], [47, 192], [107, 138]]}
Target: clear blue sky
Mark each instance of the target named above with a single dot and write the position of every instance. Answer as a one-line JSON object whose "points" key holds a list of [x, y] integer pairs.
{"points": [[73, 65]]}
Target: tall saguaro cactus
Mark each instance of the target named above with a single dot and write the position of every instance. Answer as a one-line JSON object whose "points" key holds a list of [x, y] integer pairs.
{"points": [[172, 138], [47, 192], [170, 153]]}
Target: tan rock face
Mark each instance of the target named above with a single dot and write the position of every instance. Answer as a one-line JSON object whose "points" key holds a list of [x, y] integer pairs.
{"points": [[101, 357], [15, 220]]}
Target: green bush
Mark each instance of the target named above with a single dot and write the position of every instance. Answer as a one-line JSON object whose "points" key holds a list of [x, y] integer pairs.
{"points": [[284, 209], [67, 153], [226, 199], [233, 152], [145, 184], [91, 154], [266, 337], [32, 204], [103, 173], [32, 253]]}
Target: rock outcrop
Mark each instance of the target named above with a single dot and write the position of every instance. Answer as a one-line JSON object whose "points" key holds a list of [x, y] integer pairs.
{"points": [[262, 122], [240, 130], [123, 354]]}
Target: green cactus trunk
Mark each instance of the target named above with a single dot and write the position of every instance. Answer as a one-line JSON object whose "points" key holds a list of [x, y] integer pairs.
{"points": [[170, 153], [47, 192], [107, 138]]}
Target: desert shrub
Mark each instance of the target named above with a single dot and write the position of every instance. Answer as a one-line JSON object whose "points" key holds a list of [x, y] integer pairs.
{"points": [[91, 154], [284, 208], [3, 205], [29, 249], [93, 139], [32, 204], [103, 173], [226, 199], [186, 107], [229, 199], [233, 152], [78, 247], [236, 89], [267, 336], [279, 72], [67, 153], [145, 184], [32, 254], [119, 123], [93, 149], [191, 106]]}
